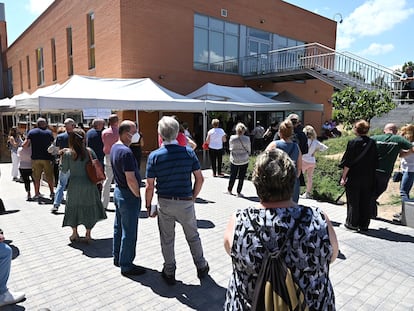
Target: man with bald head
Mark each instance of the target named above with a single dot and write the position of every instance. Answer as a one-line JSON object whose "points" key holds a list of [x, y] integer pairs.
{"points": [[389, 146]]}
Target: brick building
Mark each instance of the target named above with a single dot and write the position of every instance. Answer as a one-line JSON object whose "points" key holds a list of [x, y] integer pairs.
{"points": [[179, 44]]}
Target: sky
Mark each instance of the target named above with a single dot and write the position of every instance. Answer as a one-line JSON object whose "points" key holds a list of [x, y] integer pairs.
{"points": [[378, 30]]}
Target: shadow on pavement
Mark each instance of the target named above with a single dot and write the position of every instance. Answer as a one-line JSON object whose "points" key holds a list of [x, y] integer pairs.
{"points": [[205, 224], [335, 223], [99, 248], [13, 307], [253, 199], [386, 234], [12, 211], [202, 201], [206, 296]]}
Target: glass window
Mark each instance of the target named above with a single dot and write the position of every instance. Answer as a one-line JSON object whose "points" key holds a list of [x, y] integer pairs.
{"points": [[216, 24], [91, 40], [69, 50], [216, 44], [200, 48], [200, 20], [259, 34], [28, 71], [232, 28], [53, 50], [40, 67], [21, 75]]}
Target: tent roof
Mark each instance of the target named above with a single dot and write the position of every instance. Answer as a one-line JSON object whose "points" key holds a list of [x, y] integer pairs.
{"points": [[81, 92], [31, 102], [211, 91], [300, 102]]}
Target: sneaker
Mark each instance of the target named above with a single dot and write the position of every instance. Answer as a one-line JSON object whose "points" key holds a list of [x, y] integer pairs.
{"points": [[9, 298], [169, 279], [54, 209], [397, 215], [203, 272], [305, 195]]}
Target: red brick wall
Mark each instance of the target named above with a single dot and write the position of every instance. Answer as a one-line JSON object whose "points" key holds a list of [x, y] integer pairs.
{"points": [[153, 38]]}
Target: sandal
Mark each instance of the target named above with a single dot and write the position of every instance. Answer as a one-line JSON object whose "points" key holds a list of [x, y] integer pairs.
{"points": [[74, 238]]}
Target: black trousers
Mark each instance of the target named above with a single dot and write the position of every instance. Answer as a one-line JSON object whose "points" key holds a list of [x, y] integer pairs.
{"points": [[216, 157], [26, 174], [237, 171], [359, 193]]}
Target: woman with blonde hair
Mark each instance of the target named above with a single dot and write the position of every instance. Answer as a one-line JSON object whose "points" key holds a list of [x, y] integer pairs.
{"points": [[215, 139], [407, 164], [308, 159], [240, 149], [286, 144], [83, 202]]}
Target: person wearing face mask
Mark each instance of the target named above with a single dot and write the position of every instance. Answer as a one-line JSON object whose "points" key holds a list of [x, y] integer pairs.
{"points": [[137, 143], [127, 200]]}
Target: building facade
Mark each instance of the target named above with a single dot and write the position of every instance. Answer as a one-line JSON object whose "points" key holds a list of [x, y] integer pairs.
{"points": [[179, 44]]}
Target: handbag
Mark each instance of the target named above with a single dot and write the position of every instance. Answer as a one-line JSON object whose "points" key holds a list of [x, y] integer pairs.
{"points": [[397, 176], [94, 169], [205, 146]]}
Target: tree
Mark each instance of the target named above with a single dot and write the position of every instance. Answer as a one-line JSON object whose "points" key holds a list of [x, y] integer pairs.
{"points": [[351, 105]]}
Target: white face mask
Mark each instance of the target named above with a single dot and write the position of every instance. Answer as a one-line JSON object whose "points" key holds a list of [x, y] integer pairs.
{"points": [[135, 138]]}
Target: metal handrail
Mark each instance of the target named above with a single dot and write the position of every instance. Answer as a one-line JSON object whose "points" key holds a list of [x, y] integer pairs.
{"points": [[344, 68]]}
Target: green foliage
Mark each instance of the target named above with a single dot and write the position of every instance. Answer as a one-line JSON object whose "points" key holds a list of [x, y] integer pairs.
{"points": [[326, 178], [406, 64], [351, 105], [357, 75], [337, 145]]}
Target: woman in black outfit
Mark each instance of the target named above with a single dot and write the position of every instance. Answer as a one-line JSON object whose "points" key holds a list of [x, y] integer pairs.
{"points": [[358, 177]]}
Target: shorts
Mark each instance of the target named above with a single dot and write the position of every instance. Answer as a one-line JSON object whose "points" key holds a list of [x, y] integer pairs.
{"points": [[40, 166]]}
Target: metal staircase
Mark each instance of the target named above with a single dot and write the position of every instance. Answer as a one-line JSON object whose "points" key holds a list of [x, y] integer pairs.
{"points": [[315, 61]]}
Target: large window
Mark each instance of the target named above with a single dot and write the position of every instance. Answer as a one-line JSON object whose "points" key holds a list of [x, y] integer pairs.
{"points": [[21, 75], [216, 44], [28, 72], [53, 50], [40, 67], [91, 40], [69, 50]]}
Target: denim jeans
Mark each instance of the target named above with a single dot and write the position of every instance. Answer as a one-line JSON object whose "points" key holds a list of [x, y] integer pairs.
{"points": [[5, 264], [406, 185], [63, 181], [127, 208]]}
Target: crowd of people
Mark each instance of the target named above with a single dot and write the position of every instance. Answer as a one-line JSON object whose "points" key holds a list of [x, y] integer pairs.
{"points": [[173, 174]]}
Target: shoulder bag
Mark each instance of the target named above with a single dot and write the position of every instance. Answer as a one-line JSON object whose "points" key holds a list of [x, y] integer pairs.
{"points": [[94, 169]]}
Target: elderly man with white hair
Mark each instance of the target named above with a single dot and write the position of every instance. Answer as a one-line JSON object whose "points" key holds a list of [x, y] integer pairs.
{"points": [[169, 169]]}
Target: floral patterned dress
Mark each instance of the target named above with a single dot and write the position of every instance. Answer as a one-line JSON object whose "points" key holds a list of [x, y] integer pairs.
{"points": [[308, 253]]}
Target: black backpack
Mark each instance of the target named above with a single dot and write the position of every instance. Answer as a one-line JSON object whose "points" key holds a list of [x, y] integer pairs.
{"points": [[275, 287]]}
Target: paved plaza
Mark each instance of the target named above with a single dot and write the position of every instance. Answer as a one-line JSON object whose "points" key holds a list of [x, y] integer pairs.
{"points": [[375, 270]]}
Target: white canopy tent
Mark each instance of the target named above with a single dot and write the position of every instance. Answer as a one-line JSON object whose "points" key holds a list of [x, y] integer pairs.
{"points": [[30, 103], [81, 92]]}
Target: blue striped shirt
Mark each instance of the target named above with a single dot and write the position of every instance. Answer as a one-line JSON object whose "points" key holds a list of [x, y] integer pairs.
{"points": [[172, 166]]}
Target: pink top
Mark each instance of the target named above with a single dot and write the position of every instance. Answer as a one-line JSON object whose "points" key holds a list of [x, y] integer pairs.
{"points": [[109, 137], [181, 138]]}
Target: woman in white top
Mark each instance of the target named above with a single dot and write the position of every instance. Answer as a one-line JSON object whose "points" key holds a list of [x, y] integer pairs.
{"points": [[407, 164], [240, 150], [308, 159], [215, 139]]}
